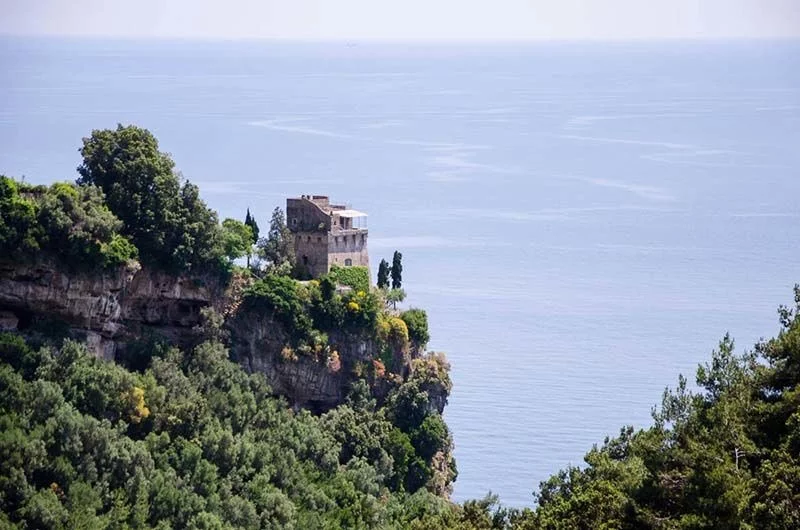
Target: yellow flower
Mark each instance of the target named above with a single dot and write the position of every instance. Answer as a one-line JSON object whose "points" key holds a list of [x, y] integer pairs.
{"points": [[353, 306]]}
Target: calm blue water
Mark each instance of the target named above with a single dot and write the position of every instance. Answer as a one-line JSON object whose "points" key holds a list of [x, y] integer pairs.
{"points": [[582, 222]]}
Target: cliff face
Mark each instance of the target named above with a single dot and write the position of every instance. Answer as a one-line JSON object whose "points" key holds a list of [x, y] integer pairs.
{"points": [[316, 381], [113, 308], [110, 308]]}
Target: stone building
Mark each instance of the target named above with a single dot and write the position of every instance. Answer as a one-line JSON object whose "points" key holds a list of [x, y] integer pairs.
{"points": [[326, 234]]}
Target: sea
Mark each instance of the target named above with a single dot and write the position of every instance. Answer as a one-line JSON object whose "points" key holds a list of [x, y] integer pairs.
{"points": [[582, 221]]}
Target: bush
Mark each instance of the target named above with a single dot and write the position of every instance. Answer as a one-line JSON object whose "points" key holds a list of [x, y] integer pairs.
{"points": [[19, 231], [417, 322], [431, 437], [355, 277], [280, 296], [70, 223]]}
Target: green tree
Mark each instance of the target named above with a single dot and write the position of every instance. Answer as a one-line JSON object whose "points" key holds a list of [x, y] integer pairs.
{"points": [[395, 296], [276, 248], [383, 274], [167, 221], [18, 228], [63, 221], [250, 221], [237, 238], [397, 270], [417, 323]]}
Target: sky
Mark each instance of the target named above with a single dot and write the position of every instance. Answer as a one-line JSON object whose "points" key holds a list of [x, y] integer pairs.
{"points": [[404, 19]]}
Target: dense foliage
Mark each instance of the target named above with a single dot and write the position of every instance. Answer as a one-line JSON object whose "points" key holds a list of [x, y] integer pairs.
{"points": [[417, 323], [63, 221], [309, 310], [195, 442], [164, 218], [355, 277], [276, 249]]}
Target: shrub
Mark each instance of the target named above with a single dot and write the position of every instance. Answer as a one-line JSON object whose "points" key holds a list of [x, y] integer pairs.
{"points": [[417, 322], [431, 436], [279, 295], [19, 231], [355, 277], [398, 331], [70, 223]]}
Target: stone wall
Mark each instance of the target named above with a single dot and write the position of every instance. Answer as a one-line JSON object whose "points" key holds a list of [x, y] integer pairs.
{"points": [[349, 244], [311, 251], [303, 215]]}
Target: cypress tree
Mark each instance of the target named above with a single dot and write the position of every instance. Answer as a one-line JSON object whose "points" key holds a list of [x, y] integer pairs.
{"points": [[397, 270], [383, 274]]}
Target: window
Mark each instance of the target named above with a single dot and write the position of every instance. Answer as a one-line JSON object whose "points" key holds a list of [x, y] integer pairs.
{"points": [[294, 221], [348, 262]]}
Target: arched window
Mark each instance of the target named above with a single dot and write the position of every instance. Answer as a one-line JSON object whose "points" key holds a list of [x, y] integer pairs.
{"points": [[348, 262]]}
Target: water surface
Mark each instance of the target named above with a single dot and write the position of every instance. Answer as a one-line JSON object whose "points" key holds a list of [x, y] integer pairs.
{"points": [[582, 222]]}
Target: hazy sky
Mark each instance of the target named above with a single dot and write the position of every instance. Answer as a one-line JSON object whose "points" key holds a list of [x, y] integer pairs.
{"points": [[405, 19]]}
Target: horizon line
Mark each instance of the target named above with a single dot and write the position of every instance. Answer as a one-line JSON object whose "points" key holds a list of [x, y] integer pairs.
{"points": [[409, 40]]}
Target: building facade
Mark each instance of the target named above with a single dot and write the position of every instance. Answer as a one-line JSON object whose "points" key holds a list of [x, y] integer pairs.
{"points": [[326, 234]]}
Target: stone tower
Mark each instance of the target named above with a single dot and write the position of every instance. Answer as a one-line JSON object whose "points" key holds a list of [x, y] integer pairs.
{"points": [[326, 234]]}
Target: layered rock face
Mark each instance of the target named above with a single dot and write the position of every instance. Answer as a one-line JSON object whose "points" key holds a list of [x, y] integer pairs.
{"points": [[315, 381], [110, 308]]}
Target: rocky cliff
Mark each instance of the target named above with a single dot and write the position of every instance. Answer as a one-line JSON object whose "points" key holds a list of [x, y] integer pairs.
{"points": [[109, 310]]}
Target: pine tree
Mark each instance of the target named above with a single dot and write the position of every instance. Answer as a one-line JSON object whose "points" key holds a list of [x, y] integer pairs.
{"points": [[383, 274], [397, 270]]}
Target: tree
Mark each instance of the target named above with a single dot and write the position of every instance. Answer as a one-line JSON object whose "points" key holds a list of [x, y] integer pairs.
{"points": [[18, 226], [276, 248], [417, 323], [397, 270], [383, 275], [395, 296], [168, 222], [250, 221], [237, 238]]}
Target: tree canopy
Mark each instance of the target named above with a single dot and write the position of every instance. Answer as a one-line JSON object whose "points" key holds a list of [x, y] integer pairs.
{"points": [[164, 218], [276, 249], [69, 223]]}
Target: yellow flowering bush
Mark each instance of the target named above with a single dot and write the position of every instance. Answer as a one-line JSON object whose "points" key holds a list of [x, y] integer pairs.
{"points": [[135, 400]]}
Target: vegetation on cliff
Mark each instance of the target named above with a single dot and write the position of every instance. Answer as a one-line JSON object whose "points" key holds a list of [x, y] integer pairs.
{"points": [[182, 437], [195, 442], [61, 221]]}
